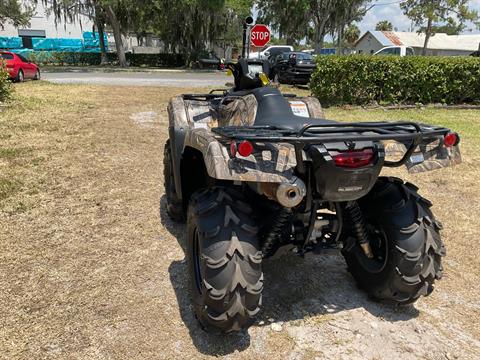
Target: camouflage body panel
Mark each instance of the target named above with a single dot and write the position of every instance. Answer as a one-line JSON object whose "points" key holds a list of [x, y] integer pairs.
{"points": [[272, 163], [177, 116], [429, 155], [230, 111], [313, 105], [237, 111]]}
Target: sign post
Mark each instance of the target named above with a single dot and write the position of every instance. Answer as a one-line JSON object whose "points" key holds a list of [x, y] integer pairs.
{"points": [[246, 25], [260, 35]]}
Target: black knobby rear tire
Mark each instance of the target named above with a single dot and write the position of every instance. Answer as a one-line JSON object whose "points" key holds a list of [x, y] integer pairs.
{"points": [[175, 207], [412, 245], [224, 260]]}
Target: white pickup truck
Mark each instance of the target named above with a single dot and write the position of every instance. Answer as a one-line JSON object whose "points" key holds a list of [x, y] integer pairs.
{"points": [[396, 50], [270, 51]]}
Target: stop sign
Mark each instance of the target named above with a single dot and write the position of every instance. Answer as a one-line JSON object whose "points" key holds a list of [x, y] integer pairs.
{"points": [[260, 35]]}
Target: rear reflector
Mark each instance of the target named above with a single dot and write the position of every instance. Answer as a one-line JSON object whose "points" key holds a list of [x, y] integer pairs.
{"points": [[353, 159], [451, 139], [245, 148]]}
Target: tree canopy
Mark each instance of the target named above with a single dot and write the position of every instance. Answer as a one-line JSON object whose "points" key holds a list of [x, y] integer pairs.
{"points": [[384, 25], [12, 11], [296, 20], [424, 13]]}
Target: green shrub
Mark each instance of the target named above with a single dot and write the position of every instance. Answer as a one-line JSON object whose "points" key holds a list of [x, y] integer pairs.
{"points": [[94, 59], [5, 85], [361, 80]]}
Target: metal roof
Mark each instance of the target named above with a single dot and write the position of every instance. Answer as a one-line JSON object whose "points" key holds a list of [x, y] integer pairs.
{"points": [[379, 35], [438, 41]]}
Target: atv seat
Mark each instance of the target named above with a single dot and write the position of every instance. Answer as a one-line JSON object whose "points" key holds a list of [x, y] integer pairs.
{"points": [[274, 109]]}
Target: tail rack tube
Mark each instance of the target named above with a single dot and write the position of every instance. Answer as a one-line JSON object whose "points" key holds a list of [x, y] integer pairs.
{"points": [[405, 132]]}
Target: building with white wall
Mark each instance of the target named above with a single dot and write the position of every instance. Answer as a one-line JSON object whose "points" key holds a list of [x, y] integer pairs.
{"points": [[42, 25], [439, 44]]}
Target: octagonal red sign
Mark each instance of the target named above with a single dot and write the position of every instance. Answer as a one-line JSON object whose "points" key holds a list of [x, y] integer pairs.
{"points": [[260, 35]]}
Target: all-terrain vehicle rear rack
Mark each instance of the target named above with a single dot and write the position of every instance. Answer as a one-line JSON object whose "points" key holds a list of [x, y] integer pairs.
{"points": [[408, 133]]}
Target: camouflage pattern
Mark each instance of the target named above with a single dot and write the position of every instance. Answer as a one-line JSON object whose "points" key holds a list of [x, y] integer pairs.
{"points": [[237, 111], [177, 115], [428, 156], [314, 108], [272, 162], [435, 155]]}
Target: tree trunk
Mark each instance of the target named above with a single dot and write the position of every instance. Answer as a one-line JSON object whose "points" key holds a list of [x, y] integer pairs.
{"points": [[117, 34], [99, 22], [103, 49], [340, 39], [320, 36], [428, 34]]}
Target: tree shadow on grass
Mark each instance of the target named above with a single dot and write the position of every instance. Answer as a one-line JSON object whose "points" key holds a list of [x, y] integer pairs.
{"points": [[295, 288]]}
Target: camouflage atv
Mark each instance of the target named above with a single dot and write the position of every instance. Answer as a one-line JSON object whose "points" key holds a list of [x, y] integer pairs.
{"points": [[258, 174]]}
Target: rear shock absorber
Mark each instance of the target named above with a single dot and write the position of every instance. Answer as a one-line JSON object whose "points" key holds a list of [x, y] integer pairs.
{"points": [[359, 228], [274, 236]]}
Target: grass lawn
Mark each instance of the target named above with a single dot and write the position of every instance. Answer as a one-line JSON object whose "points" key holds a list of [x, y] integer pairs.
{"points": [[90, 268]]}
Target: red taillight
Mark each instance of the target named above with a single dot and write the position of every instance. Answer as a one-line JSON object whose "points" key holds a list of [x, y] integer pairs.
{"points": [[451, 139], [244, 149], [354, 159], [233, 148]]}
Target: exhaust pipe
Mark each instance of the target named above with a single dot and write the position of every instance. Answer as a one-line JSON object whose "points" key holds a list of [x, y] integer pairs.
{"points": [[288, 195]]}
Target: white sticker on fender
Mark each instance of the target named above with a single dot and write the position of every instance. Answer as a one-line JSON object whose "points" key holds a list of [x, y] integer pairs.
{"points": [[199, 125], [299, 108]]}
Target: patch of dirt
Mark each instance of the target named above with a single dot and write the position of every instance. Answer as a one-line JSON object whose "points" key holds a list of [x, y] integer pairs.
{"points": [[144, 119], [92, 267]]}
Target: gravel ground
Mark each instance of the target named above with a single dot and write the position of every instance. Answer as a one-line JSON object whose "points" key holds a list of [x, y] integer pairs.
{"points": [[92, 268]]}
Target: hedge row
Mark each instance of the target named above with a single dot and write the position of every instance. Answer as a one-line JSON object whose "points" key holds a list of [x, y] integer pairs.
{"points": [[90, 58], [362, 80], [5, 85]]}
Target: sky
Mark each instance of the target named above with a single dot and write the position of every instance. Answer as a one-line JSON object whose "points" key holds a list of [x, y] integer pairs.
{"points": [[391, 11]]}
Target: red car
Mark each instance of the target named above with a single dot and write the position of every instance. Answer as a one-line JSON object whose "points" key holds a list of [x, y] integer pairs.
{"points": [[18, 67]]}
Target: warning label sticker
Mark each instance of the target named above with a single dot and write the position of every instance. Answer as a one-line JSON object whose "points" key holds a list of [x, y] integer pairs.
{"points": [[299, 108]]}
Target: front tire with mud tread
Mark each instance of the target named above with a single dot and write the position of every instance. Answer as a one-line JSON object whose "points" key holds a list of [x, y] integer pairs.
{"points": [[414, 246], [224, 260]]}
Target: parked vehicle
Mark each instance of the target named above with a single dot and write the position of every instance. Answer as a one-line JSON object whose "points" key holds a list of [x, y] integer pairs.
{"points": [[324, 51], [292, 68], [19, 68], [211, 61], [258, 174], [396, 50], [271, 51]]}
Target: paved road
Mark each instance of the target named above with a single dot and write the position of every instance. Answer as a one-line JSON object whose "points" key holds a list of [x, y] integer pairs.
{"points": [[176, 79]]}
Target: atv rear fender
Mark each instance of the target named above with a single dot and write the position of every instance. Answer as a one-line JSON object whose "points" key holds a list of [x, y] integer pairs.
{"points": [[190, 122]]}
